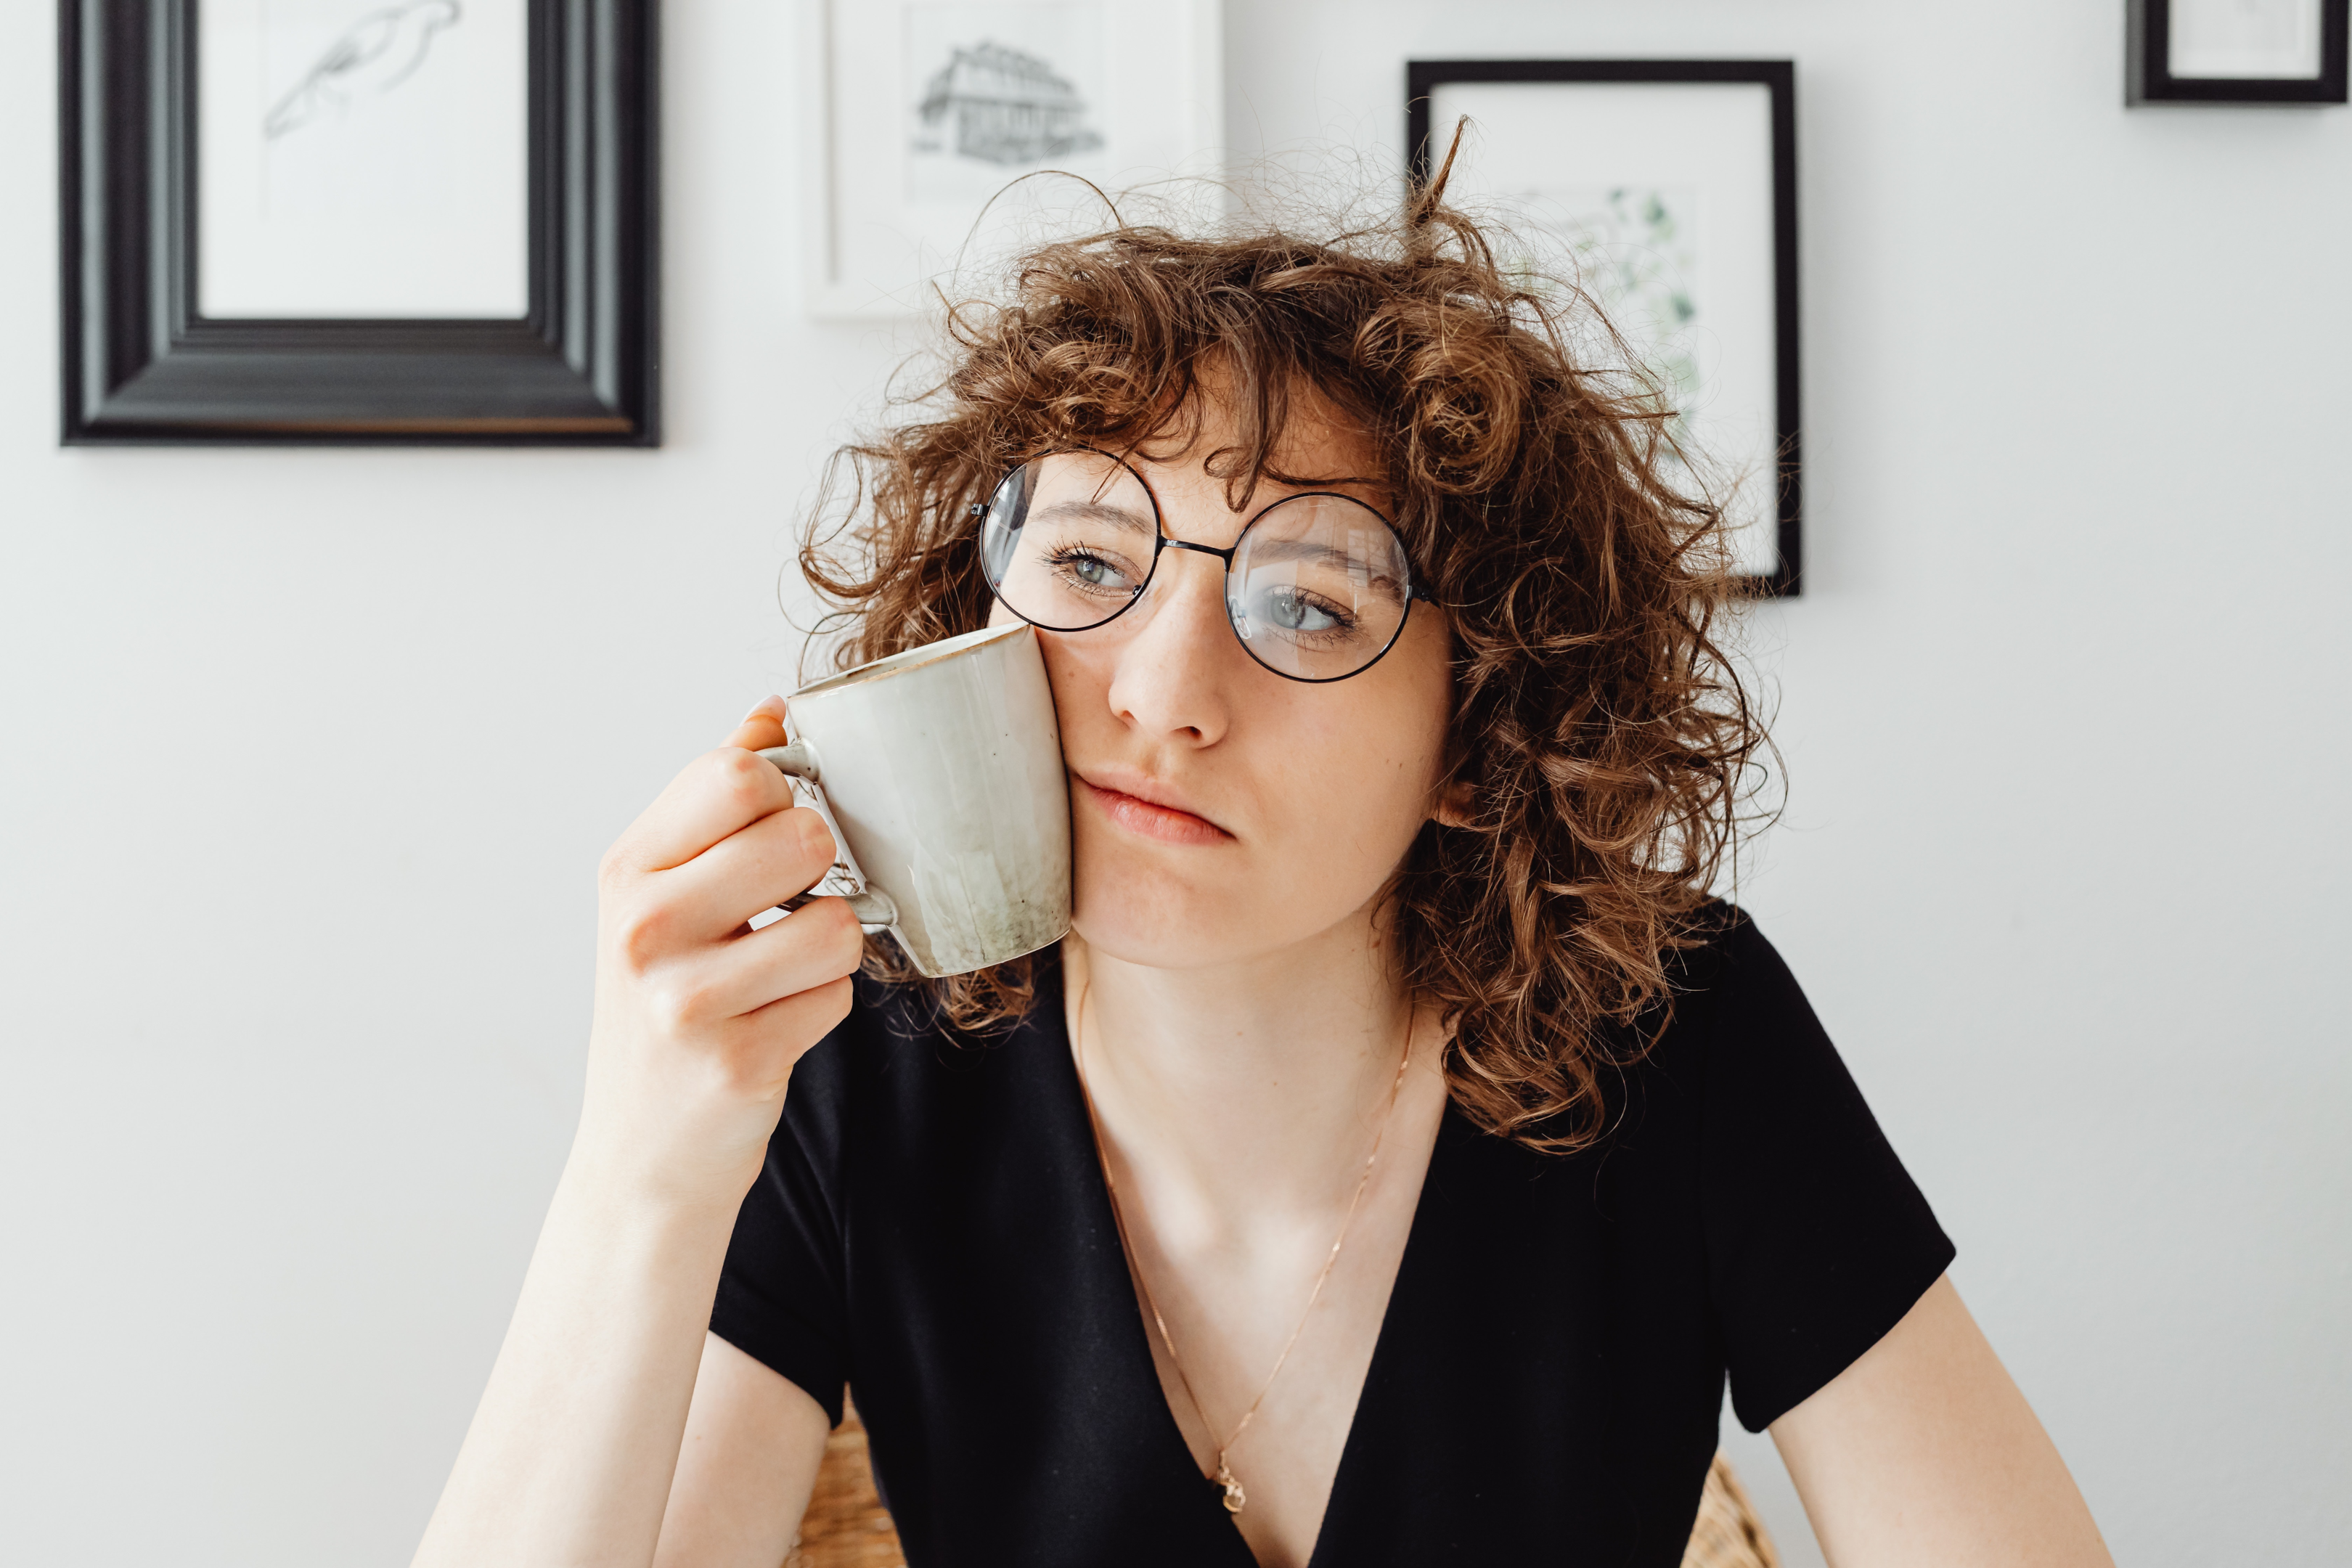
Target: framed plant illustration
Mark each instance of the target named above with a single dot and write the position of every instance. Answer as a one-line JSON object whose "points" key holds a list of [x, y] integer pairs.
{"points": [[359, 221], [2236, 52], [1670, 188]]}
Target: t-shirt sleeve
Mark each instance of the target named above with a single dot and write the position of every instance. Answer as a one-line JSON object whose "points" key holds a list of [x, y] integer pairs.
{"points": [[1818, 1241], [782, 1296]]}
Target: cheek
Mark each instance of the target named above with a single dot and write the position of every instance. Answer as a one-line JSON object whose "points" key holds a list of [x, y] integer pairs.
{"points": [[1388, 723], [1358, 780], [1353, 782], [1081, 691]]}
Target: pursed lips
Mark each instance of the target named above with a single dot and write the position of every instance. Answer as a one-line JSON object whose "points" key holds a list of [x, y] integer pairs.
{"points": [[1150, 809]]}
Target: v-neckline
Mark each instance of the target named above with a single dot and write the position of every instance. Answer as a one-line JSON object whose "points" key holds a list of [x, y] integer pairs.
{"points": [[1136, 1339]]}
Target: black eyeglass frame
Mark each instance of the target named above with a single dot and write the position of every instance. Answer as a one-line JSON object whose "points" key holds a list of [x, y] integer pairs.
{"points": [[1162, 543]]}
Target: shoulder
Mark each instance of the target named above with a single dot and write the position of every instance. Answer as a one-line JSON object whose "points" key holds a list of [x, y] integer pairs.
{"points": [[1731, 1003], [1728, 959], [1817, 1239], [1733, 1067]]}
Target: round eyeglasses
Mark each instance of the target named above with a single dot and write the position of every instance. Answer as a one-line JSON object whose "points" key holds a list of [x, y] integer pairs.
{"points": [[1317, 587]]}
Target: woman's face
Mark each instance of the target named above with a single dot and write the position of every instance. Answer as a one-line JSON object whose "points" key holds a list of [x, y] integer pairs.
{"points": [[1219, 811]]}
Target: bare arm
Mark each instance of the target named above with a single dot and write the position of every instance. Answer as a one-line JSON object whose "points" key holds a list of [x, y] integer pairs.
{"points": [[753, 1443], [699, 1022], [1924, 1452]]}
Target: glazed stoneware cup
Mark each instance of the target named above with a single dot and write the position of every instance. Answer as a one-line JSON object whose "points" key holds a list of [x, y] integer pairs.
{"points": [[942, 766]]}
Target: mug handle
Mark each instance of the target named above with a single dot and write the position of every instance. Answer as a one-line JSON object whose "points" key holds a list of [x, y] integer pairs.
{"points": [[873, 906]]}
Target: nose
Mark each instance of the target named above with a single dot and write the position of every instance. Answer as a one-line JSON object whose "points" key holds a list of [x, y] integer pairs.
{"points": [[1172, 669]]}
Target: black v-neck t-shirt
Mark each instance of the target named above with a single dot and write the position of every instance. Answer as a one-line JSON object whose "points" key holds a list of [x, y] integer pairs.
{"points": [[932, 1227]]}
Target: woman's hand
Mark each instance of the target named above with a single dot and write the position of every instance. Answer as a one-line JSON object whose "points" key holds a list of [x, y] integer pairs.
{"points": [[699, 1018], [699, 1022]]}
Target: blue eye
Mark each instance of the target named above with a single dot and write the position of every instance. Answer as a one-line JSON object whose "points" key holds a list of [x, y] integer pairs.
{"points": [[1088, 570], [1288, 610]]}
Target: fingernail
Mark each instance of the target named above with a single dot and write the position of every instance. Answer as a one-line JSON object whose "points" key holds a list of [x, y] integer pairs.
{"points": [[767, 707]]}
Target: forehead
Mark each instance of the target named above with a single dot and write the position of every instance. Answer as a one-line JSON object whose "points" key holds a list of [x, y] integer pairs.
{"points": [[1315, 447]]}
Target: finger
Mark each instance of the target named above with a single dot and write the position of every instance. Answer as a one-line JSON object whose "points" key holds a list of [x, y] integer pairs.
{"points": [[762, 727], [808, 1015], [754, 868], [815, 945], [772, 1041], [718, 794]]}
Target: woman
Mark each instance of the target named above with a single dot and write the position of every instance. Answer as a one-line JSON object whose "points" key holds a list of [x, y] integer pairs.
{"points": [[1401, 1148]]}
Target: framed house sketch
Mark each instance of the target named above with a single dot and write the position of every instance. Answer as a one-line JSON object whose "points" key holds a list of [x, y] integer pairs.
{"points": [[929, 113], [1669, 187], [2235, 51], [359, 221]]}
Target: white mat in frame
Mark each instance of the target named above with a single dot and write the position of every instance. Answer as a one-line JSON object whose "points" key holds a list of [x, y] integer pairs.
{"points": [[926, 113], [1660, 195], [362, 158], [2252, 39]]}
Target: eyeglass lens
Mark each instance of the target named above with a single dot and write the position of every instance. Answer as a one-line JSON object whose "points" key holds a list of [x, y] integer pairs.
{"points": [[1317, 589]]}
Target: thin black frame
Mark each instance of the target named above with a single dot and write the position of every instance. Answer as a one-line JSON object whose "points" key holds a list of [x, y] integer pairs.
{"points": [[1162, 543], [140, 366], [2148, 70], [1779, 79]]}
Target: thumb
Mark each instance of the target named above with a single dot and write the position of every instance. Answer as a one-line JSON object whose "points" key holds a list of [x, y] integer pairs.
{"points": [[762, 727]]}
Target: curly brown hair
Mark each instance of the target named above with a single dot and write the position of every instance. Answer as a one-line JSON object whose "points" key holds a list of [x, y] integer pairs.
{"points": [[1601, 733]]}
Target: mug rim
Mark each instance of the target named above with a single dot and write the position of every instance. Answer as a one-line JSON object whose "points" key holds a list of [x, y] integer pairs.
{"points": [[913, 658]]}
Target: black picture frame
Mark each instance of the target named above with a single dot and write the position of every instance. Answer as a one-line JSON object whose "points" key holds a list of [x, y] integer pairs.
{"points": [[142, 366], [1422, 78], [2147, 56]]}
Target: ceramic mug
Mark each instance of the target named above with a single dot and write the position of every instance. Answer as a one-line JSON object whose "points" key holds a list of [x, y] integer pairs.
{"points": [[943, 767]]}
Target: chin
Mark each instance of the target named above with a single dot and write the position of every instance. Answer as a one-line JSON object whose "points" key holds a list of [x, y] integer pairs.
{"points": [[1151, 936], [1135, 907], [1128, 908]]}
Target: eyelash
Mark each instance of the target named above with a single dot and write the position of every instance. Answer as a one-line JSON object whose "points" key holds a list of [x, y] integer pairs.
{"points": [[1070, 557], [1343, 623]]}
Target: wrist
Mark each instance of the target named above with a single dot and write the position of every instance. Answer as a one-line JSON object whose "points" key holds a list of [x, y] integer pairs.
{"points": [[615, 1177], [666, 1148]]}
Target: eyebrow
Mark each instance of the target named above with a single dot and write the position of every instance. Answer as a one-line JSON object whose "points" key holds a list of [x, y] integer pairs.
{"points": [[1310, 482], [1092, 511], [1303, 550]]}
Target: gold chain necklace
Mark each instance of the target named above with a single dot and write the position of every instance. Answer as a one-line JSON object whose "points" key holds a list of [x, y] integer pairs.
{"points": [[1236, 1499]]}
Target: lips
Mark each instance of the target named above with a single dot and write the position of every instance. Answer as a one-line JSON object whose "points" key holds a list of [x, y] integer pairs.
{"points": [[1149, 811]]}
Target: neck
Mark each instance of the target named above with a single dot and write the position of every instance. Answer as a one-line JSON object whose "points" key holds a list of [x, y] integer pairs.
{"points": [[1250, 1090]]}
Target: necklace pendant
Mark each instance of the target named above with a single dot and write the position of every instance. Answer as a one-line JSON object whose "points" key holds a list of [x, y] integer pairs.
{"points": [[1236, 1499]]}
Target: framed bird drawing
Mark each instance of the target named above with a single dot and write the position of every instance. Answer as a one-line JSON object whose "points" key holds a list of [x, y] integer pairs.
{"points": [[359, 221]]}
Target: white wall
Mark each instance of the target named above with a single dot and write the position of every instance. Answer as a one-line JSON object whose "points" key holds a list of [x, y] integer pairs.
{"points": [[306, 758]]}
